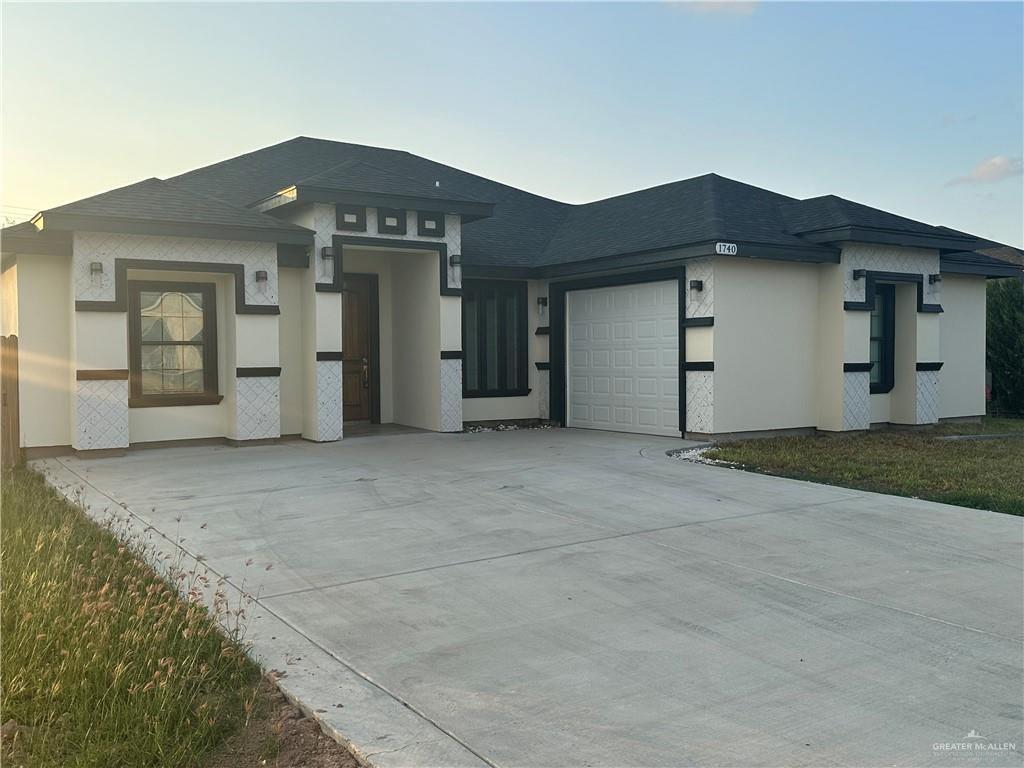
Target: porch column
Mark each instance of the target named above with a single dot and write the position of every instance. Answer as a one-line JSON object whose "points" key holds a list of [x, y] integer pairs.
{"points": [[450, 373], [321, 332], [257, 407]]}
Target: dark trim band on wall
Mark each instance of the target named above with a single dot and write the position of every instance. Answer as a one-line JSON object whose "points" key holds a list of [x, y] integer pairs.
{"points": [[929, 366], [121, 267], [102, 374], [543, 366], [870, 278], [543, 330], [857, 367], [697, 322], [328, 355], [452, 354], [340, 241], [253, 373], [699, 365]]}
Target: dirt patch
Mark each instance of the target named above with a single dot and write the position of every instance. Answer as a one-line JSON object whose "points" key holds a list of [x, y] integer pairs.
{"points": [[279, 735]]}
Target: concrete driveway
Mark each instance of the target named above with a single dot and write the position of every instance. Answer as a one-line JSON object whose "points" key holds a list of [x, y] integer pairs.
{"points": [[556, 598]]}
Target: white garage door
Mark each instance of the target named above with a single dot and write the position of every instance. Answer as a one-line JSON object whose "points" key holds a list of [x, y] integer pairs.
{"points": [[623, 358]]}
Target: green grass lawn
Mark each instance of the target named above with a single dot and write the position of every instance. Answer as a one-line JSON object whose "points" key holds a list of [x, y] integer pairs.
{"points": [[986, 474], [102, 663]]}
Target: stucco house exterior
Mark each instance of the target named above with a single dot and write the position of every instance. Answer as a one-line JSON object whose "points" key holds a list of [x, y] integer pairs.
{"points": [[313, 283]]}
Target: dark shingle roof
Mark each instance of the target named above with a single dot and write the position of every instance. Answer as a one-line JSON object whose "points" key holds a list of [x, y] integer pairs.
{"points": [[521, 226], [357, 176], [156, 200], [830, 212]]}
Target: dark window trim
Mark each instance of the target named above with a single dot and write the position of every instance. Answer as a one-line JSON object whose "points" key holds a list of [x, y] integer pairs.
{"points": [[399, 213], [258, 372], [422, 217], [121, 267], [210, 395], [521, 389], [887, 380], [359, 211], [871, 279]]}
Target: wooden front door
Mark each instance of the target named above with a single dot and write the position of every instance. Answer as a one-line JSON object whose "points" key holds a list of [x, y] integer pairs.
{"points": [[359, 368]]}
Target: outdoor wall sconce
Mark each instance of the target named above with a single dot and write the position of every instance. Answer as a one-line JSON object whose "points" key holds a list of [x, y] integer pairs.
{"points": [[455, 260], [261, 276], [96, 268], [932, 279], [859, 274], [327, 253], [542, 301], [696, 285]]}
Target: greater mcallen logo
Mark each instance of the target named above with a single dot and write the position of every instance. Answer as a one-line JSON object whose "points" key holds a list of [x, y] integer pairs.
{"points": [[973, 742]]}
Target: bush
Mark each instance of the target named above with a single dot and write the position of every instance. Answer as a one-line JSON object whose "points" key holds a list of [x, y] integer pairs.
{"points": [[104, 663], [1005, 344]]}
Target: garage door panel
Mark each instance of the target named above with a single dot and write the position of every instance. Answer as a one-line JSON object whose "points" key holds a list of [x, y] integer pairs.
{"points": [[623, 355]]}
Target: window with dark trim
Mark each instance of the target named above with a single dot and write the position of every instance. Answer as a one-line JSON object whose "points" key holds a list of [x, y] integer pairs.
{"points": [[172, 339], [883, 339], [494, 338]]}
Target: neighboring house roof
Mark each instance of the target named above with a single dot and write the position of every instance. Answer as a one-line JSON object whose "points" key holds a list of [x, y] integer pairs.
{"points": [[526, 231], [1006, 253], [181, 211]]}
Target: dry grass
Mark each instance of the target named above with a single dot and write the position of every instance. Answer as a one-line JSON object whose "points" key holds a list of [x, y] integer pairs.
{"points": [[104, 663], [985, 474]]}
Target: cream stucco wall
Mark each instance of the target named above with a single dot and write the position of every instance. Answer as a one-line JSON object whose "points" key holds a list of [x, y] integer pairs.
{"points": [[9, 298], [528, 407], [416, 358], [291, 349], [765, 345], [962, 346], [44, 349]]}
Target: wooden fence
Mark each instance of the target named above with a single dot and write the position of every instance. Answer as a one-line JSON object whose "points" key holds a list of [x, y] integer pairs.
{"points": [[10, 431]]}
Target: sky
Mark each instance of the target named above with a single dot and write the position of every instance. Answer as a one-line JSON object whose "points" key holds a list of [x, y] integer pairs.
{"points": [[916, 108]]}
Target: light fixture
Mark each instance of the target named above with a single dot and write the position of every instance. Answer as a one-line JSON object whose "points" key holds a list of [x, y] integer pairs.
{"points": [[96, 267], [859, 273], [455, 259], [542, 301], [936, 278], [261, 275], [696, 285], [327, 253]]}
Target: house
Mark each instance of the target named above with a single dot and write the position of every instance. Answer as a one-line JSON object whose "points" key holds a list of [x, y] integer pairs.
{"points": [[313, 283]]}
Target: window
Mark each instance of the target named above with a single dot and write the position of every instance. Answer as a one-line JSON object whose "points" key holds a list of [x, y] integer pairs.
{"points": [[494, 338], [173, 344], [883, 341]]}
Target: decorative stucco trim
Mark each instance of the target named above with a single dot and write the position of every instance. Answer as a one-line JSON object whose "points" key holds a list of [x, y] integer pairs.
{"points": [[257, 372], [856, 400], [928, 396], [544, 391], [97, 374], [929, 366], [451, 394], [101, 414], [857, 367], [329, 355], [698, 365], [257, 407], [700, 402], [452, 354], [329, 409]]}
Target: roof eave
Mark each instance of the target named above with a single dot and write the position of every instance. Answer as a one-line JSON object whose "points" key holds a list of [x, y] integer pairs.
{"points": [[954, 267], [71, 222], [469, 210], [888, 237]]}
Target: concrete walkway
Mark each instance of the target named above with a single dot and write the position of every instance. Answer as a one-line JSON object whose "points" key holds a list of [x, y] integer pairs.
{"points": [[556, 598]]}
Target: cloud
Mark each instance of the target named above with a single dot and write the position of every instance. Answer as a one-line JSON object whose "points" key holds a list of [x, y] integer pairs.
{"points": [[991, 170], [717, 7]]}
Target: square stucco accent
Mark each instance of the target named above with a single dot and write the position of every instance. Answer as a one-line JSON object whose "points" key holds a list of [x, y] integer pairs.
{"points": [[101, 414], [889, 258], [257, 407], [451, 395], [700, 401], [856, 400], [544, 394], [329, 411], [700, 303], [928, 397], [105, 248], [324, 223]]}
